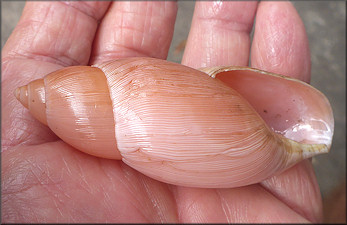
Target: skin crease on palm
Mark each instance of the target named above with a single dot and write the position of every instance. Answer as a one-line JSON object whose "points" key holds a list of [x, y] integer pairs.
{"points": [[45, 180]]}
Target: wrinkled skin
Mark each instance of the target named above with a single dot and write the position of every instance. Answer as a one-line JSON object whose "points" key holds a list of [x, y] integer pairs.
{"points": [[45, 180]]}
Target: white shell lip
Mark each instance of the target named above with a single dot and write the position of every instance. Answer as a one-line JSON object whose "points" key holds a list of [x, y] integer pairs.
{"points": [[314, 121]]}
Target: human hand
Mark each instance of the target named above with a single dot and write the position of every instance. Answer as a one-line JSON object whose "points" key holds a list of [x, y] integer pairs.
{"points": [[45, 180]]}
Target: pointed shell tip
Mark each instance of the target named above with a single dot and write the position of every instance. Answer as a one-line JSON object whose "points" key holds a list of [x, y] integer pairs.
{"points": [[21, 93]]}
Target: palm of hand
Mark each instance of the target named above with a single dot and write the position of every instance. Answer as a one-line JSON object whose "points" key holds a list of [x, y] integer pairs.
{"points": [[45, 180]]}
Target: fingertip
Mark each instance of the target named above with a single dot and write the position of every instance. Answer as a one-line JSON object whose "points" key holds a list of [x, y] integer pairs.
{"points": [[280, 43]]}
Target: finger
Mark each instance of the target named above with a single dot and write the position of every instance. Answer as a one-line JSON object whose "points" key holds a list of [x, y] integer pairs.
{"points": [[57, 32], [249, 204], [280, 45], [135, 29], [280, 42], [298, 188], [48, 36], [219, 34]]}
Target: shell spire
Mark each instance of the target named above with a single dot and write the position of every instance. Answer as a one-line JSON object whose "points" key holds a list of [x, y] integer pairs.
{"points": [[21, 94], [32, 96]]}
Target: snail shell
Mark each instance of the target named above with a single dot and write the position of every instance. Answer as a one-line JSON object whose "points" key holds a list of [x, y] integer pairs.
{"points": [[180, 126]]}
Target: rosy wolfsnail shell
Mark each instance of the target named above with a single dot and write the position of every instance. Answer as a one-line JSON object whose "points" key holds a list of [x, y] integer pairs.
{"points": [[178, 125]]}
